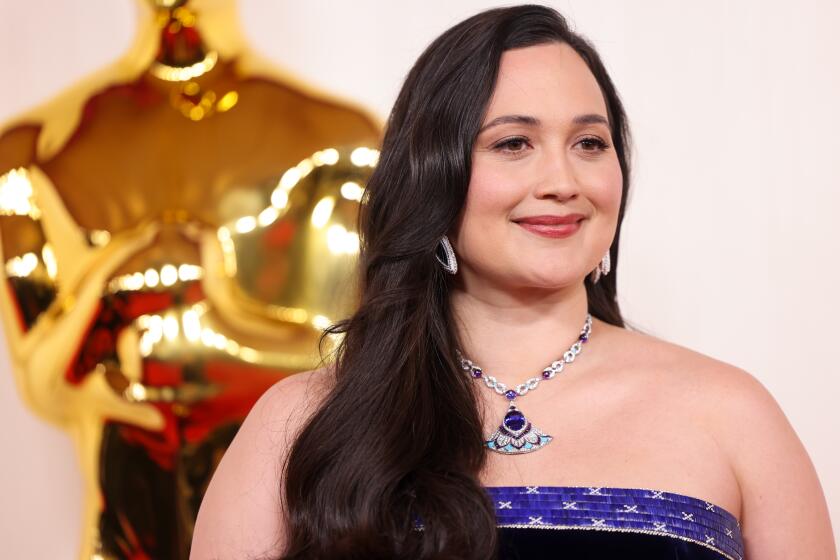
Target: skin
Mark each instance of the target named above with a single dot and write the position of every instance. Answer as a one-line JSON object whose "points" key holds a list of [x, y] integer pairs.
{"points": [[631, 411]]}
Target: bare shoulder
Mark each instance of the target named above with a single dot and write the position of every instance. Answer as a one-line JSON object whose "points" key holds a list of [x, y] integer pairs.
{"points": [[700, 380], [241, 514], [707, 381], [778, 483]]}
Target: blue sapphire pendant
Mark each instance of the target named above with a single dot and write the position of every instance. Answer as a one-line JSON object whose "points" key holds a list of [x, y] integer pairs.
{"points": [[516, 434]]}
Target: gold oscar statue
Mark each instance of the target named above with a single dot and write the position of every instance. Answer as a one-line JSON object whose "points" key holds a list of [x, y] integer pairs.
{"points": [[175, 232]]}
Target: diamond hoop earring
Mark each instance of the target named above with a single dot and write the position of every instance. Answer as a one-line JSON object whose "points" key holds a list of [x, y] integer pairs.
{"points": [[602, 269], [450, 265]]}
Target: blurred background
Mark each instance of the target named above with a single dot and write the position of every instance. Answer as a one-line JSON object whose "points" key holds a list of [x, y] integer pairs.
{"points": [[729, 246]]}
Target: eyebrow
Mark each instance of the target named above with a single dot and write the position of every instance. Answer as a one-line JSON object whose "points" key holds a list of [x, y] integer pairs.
{"points": [[588, 118]]}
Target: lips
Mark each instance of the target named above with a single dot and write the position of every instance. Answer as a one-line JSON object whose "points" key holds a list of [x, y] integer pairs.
{"points": [[549, 220], [552, 226]]}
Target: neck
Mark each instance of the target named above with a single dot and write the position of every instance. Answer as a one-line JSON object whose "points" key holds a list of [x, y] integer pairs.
{"points": [[514, 335]]}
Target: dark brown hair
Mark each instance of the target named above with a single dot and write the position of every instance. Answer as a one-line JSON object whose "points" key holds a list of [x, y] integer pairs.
{"points": [[399, 436]]}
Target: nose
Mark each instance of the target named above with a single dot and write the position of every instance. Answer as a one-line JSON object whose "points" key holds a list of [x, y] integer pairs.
{"points": [[557, 178]]}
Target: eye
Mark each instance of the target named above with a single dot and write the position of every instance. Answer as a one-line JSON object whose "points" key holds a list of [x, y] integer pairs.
{"points": [[594, 144], [511, 145]]}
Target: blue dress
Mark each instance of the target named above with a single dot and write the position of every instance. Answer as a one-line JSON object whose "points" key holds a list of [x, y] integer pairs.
{"points": [[575, 522]]}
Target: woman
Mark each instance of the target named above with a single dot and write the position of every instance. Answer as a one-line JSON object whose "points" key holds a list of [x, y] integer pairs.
{"points": [[487, 390]]}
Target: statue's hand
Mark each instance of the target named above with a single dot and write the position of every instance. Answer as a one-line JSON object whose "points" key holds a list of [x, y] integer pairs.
{"points": [[53, 343]]}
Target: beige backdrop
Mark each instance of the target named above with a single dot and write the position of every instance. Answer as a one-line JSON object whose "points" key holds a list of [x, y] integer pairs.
{"points": [[731, 240]]}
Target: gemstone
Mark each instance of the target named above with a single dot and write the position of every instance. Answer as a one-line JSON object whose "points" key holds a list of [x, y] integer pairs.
{"points": [[514, 420], [476, 372], [546, 373], [510, 394]]}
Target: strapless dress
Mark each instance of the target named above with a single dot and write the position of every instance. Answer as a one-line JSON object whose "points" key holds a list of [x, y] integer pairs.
{"points": [[584, 523]]}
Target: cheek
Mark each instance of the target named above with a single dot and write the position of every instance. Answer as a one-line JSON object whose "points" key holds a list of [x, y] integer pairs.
{"points": [[491, 197], [490, 194], [604, 190]]}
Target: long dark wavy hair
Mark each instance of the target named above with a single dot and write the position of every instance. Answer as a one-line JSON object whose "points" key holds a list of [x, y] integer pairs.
{"points": [[399, 435]]}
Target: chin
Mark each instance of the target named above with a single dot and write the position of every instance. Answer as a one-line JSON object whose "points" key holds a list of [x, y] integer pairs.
{"points": [[539, 280]]}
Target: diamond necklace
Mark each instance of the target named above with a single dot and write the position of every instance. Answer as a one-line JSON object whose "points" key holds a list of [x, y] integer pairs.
{"points": [[515, 433]]}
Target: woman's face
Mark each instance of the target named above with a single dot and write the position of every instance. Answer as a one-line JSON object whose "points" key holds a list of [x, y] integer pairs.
{"points": [[544, 150]]}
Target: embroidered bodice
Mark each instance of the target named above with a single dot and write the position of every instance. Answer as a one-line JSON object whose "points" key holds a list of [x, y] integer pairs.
{"points": [[632, 522]]}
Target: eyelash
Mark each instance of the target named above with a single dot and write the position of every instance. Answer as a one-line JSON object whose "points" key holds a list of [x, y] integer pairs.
{"points": [[601, 146]]}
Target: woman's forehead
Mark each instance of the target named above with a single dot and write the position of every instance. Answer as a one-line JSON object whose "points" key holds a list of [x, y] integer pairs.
{"points": [[548, 80]]}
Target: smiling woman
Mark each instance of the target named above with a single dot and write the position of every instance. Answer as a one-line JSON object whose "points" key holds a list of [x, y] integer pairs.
{"points": [[490, 232], [545, 161]]}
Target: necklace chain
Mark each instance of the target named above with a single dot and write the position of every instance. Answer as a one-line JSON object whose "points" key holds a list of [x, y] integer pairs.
{"points": [[529, 385]]}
